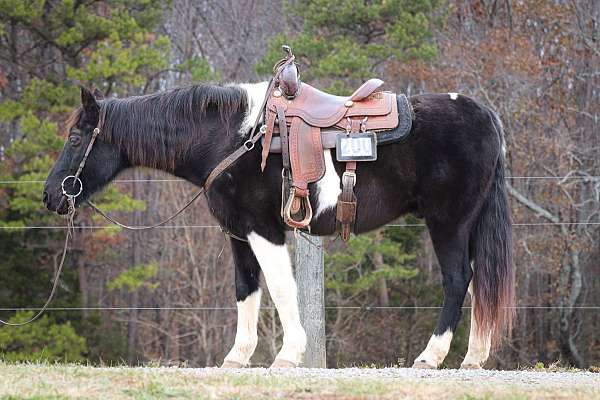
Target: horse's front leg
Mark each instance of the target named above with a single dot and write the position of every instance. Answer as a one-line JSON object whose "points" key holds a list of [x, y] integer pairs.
{"points": [[247, 293], [276, 266]]}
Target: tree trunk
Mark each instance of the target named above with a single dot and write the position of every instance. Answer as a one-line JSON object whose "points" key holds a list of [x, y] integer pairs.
{"points": [[570, 278]]}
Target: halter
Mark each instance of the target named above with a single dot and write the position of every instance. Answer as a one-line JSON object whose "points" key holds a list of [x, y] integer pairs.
{"points": [[71, 196]]}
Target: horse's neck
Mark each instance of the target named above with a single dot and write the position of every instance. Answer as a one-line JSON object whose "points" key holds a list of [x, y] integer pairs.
{"points": [[189, 150]]}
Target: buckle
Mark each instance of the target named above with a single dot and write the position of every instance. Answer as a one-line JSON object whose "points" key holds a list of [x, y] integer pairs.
{"points": [[349, 175]]}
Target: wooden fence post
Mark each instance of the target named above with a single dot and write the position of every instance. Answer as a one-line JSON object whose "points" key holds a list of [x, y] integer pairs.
{"points": [[311, 297]]}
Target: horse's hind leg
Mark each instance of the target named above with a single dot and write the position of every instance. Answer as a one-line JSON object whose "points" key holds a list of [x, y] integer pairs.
{"points": [[247, 293], [479, 342], [276, 266], [452, 249]]}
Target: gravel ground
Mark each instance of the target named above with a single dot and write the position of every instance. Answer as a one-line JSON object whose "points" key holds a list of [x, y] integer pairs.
{"points": [[56, 381], [522, 378]]}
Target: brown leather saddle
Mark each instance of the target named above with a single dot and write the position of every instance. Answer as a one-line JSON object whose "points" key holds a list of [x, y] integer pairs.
{"points": [[314, 121]]}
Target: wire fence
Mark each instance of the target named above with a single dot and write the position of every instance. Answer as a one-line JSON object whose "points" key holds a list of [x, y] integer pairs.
{"points": [[153, 180], [232, 308], [166, 180], [50, 227]]}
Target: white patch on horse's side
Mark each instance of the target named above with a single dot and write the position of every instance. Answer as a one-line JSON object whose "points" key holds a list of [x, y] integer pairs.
{"points": [[436, 350], [276, 266], [328, 188], [246, 336], [453, 96], [256, 95], [479, 345]]}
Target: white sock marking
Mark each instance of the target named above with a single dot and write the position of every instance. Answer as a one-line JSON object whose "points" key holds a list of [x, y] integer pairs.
{"points": [[256, 95], [246, 336], [479, 346], [436, 349], [453, 96], [328, 188], [276, 266]]}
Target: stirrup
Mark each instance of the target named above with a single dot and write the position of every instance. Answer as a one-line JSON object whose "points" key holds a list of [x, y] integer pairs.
{"points": [[287, 211]]}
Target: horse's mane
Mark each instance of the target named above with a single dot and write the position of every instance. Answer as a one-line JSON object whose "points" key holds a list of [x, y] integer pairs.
{"points": [[157, 129]]}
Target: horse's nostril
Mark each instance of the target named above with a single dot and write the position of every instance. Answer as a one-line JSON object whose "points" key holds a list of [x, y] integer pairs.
{"points": [[45, 198]]}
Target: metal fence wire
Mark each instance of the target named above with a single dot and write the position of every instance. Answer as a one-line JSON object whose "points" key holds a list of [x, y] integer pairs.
{"points": [[231, 308]]}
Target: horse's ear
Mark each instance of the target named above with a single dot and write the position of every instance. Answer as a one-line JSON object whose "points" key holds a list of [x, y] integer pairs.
{"points": [[98, 94], [88, 101]]}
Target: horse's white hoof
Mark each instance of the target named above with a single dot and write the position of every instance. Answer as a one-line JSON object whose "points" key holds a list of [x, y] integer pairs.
{"points": [[231, 364], [279, 363], [470, 366], [422, 364]]}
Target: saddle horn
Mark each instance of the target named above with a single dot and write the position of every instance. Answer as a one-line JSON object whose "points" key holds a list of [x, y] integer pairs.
{"points": [[289, 78]]}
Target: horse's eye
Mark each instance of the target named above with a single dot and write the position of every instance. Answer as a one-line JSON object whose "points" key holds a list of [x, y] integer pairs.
{"points": [[75, 140]]}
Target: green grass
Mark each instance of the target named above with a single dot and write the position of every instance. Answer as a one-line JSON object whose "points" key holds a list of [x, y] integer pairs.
{"points": [[43, 381]]}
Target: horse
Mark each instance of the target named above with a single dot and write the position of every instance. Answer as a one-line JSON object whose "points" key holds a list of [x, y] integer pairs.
{"points": [[450, 171]]}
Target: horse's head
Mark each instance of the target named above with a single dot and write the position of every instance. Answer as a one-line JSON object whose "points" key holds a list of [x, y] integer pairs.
{"points": [[102, 164]]}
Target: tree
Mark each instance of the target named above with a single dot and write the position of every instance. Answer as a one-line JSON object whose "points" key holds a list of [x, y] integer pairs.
{"points": [[41, 340]]}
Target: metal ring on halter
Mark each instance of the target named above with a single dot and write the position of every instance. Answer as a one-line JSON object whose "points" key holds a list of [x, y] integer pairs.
{"points": [[249, 145], [75, 180]]}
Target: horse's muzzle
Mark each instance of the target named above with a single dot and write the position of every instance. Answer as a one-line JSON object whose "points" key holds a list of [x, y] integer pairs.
{"points": [[61, 206]]}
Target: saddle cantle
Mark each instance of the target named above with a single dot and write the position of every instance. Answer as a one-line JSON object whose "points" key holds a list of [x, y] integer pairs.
{"points": [[313, 121]]}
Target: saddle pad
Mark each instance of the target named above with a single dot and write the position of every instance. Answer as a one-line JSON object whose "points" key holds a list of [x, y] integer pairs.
{"points": [[399, 133]]}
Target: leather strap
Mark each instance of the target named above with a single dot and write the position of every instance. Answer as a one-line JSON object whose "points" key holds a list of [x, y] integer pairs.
{"points": [[230, 159], [270, 125], [346, 205], [283, 133]]}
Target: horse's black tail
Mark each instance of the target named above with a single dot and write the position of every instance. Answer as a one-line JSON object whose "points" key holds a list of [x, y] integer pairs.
{"points": [[492, 257]]}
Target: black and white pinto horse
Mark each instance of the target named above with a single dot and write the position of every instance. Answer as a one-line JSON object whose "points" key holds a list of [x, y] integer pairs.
{"points": [[450, 171]]}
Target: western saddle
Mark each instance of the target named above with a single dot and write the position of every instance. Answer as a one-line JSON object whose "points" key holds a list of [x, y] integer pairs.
{"points": [[301, 121]]}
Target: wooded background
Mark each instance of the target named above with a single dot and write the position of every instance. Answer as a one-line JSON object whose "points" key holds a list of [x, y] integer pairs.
{"points": [[167, 295]]}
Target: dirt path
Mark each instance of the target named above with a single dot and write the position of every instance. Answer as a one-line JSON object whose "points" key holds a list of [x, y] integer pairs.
{"points": [[73, 381]]}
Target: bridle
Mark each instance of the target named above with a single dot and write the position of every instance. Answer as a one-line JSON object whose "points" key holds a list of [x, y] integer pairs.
{"points": [[248, 145]]}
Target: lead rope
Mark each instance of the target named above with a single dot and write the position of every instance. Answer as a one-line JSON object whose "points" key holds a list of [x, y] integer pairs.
{"points": [[70, 232], [141, 228]]}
